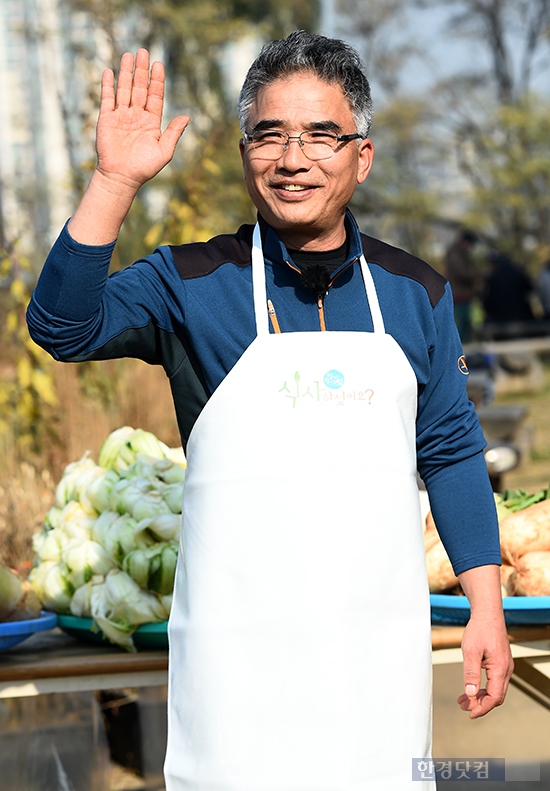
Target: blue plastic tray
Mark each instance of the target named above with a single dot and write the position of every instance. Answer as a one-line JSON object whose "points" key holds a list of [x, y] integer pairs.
{"points": [[13, 632], [518, 610]]}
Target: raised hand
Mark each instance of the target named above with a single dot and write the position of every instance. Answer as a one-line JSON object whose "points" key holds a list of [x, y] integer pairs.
{"points": [[131, 147]]}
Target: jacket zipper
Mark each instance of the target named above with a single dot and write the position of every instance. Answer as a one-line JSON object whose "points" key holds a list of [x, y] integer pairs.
{"points": [[320, 300], [321, 307], [273, 317]]}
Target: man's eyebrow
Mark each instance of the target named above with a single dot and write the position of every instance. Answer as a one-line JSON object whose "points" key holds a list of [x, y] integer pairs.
{"points": [[278, 123], [268, 123], [325, 126]]}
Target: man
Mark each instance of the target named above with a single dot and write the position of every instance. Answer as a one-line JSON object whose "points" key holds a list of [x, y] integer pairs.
{"points": [[464, 279], [314, 369]]}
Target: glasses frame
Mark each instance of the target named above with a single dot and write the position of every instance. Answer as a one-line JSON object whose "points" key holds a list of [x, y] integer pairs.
{"points": [[339, 139]]}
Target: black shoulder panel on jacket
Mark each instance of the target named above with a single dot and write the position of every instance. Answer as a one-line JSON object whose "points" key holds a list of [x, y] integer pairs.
{"points": [[399, 262], [201, 258]]}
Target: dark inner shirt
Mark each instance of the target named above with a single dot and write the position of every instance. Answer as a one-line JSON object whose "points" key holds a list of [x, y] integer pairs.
{"points": [[317, 266]]}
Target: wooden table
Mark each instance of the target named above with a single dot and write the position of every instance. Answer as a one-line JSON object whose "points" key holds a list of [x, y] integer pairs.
{"points": [[55, 662]]}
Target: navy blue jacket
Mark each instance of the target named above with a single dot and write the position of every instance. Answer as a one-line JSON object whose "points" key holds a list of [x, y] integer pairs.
{"points": [[190, 309]]}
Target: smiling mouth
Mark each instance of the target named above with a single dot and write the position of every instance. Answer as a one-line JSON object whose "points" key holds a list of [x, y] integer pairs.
{"points": [[293, 187]]}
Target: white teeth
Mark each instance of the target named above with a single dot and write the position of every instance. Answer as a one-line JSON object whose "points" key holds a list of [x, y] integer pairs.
{"points": [[293, 187]]}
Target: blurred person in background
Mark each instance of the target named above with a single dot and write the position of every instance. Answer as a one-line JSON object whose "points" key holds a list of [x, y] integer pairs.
{"points": [[543, 289], [507, 291], [461, 273]]}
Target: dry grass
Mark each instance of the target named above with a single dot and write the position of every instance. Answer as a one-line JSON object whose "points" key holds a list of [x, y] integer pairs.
{"points": [[116, 393], [25, 496]]}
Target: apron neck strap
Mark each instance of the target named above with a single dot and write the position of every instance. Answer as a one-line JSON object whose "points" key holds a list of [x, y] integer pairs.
{"points": [[372, 297], [259, 289], [258, 284]]}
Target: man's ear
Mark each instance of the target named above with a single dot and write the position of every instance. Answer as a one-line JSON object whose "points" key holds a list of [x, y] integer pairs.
{"points": [[366, 156]]}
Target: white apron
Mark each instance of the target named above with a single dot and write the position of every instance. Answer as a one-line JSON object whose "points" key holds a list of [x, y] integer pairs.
{"points": [[300, 654]]}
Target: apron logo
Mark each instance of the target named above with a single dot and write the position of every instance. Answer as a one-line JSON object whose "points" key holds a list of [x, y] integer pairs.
{"points": [[333, 379], [463, 365], [300, 391]]}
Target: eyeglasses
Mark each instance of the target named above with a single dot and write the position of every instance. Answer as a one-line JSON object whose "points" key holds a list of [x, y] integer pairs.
{"points": [[316, 145]]}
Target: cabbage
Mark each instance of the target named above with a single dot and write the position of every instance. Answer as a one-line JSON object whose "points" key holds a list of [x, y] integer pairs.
{"points": [[65, 489], [173, 496], [112, 445], [126, 492], [153, 568], [166, 602], [51, 586], [81, 603], [121, 515], [164, 527], [177, 456], [102, 525], [168, 471], [18, 601], [81, 560], [122, 447], [119, 537], [119, 606], [149, 505], [46, 545], [74, 522], [97, 491], [52, 517]]}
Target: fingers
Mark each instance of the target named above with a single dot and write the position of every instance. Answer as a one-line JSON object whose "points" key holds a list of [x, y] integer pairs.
{"points": [[131, 114], [107, 101], [172, 133], [479, 704], [155, 95], [471, 674], [125, 79], [135, 87], [140, 86], [485, 646], [480, 701]]}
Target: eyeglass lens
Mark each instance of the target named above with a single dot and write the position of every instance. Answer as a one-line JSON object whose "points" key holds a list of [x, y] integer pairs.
{"points": [[271, 144]]}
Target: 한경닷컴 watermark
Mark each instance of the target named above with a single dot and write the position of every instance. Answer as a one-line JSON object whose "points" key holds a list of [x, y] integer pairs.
{"points": [[449, 769]]}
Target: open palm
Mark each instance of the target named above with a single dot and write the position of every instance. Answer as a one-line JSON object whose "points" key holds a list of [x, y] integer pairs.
{"points": [[131, 146]]}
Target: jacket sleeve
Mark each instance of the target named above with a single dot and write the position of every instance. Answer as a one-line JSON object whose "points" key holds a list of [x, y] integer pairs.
{"points": [[450, 445], [78, 312]]}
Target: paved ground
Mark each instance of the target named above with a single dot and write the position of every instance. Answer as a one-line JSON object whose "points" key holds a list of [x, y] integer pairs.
{"points": [[519, 731]]}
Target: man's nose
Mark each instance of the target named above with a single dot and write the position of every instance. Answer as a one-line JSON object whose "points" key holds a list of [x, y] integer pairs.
{"points": [[293, 154]]}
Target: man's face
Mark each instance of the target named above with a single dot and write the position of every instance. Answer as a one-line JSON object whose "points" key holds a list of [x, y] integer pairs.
{"points": [[305, 201]]}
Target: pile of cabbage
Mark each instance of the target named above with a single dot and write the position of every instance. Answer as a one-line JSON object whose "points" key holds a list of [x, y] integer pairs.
{"points": [[109, 546]]}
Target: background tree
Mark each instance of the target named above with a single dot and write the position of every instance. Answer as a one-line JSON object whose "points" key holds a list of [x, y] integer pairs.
{"points": [[514, 36], [499, 125], [202, 193], [470, 146], [401, 201]]}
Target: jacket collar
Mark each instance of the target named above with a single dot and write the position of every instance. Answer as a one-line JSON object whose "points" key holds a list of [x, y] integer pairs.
{"points": [[276, 254]]}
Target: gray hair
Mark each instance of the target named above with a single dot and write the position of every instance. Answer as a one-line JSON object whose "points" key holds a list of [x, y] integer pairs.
{"points": [[330, 59]]}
